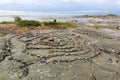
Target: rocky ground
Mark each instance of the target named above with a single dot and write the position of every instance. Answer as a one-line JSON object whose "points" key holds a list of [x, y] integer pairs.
{"points": [[72, 54]]}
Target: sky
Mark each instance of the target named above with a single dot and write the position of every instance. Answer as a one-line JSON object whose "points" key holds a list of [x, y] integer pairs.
{"points": [[50, 7]]}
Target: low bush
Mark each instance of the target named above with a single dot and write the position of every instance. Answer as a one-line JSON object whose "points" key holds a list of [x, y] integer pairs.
{"points": [[28, 23]]}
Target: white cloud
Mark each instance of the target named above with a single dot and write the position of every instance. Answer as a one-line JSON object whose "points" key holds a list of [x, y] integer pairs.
{"points": [[49, 1], [18, 1], [57, 5], [10, 12], [117, 2], [84, 1], [58, 2], [5, 12]]}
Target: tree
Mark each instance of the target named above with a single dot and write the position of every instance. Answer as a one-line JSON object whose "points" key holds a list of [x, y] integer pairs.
{"points": [[55, 20], [17, 18]]}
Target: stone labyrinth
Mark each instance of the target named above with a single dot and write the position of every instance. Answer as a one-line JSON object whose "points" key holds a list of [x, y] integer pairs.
{"points": [[58, 47], [54, 47]]}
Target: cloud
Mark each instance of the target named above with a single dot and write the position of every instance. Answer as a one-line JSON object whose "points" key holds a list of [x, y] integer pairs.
{"points": [[50, 1], [117, 2], [60, 6], [6, 12], [10, 12], [86, 1], [18, 1]]}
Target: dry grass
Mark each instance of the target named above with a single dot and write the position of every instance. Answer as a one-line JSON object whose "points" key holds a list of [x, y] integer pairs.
{"points": [[21, 30], [102, 27], [7, 26], [43, 28], [26, 29]]}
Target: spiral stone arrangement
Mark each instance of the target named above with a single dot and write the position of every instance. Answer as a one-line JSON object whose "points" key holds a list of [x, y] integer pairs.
{"points": [[55, 46], [47, 55]]}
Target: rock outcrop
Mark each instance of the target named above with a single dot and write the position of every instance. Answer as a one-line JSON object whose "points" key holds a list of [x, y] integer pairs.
{"points": [[72, 54]]}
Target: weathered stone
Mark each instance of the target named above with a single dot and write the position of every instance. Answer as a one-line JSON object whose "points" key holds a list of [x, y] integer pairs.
{"points": [[62, 55]]}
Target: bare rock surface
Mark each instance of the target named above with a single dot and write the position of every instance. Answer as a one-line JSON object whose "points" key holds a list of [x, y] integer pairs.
{"points": [[72, 54]]}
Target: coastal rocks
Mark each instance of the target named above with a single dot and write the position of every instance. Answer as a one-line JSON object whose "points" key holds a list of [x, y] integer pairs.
{"points": [[101, 33]]}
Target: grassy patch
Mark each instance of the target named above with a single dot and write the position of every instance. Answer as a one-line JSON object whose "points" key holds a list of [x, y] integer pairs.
{"points": [[7, 22], [60, 25]]}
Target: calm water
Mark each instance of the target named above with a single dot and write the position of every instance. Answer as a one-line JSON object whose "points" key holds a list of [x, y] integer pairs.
{"points": [[43, 18]]}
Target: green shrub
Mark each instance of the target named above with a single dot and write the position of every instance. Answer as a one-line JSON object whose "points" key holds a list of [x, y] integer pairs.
{"points": [[50, 23], [17, 18], [28, 23]]}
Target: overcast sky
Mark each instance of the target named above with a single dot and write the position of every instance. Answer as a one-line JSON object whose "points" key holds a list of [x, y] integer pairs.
{"points": [[59, 7]]}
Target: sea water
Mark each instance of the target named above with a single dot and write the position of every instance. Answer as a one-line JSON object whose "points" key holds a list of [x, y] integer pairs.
{"points": [[43, 18]]}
